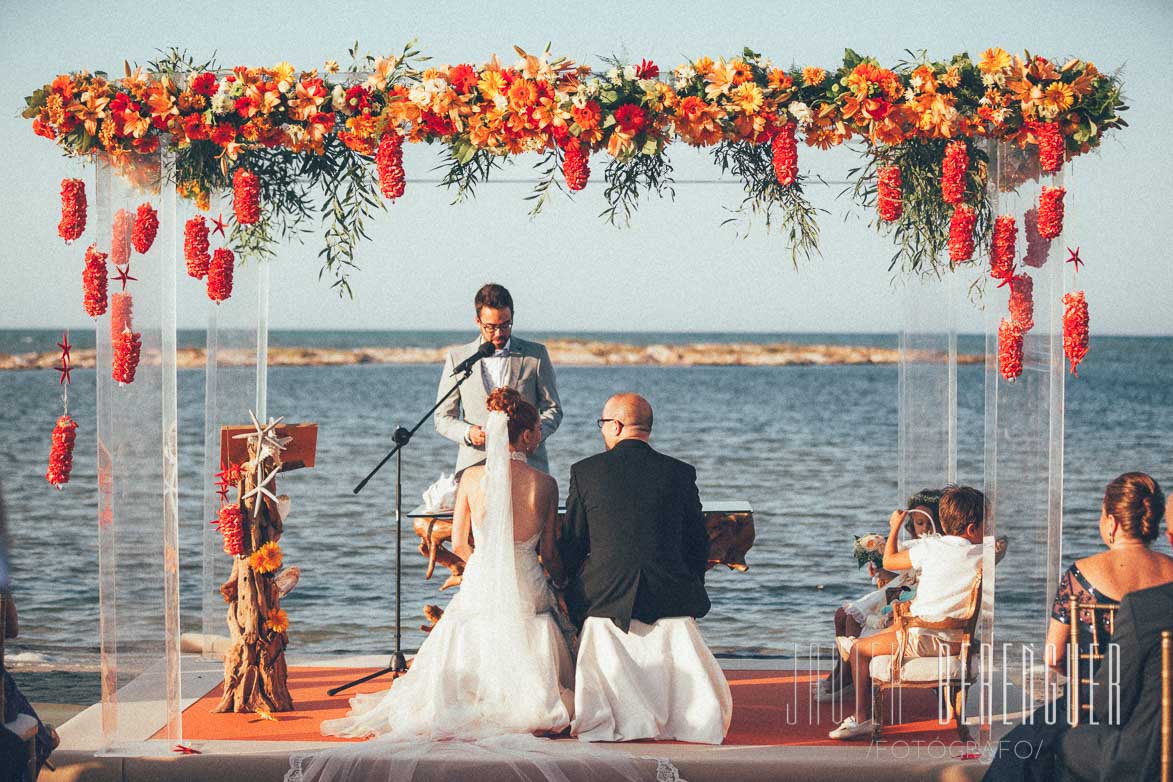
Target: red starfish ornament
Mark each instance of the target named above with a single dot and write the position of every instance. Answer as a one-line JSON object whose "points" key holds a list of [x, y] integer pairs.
{"points": [[1005, 282], [65, 346], [123, 275], [1073, 257], [64, 369], [218, 225]]}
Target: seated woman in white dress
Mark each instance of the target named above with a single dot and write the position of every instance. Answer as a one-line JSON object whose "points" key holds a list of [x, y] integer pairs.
{"points": [[496, 663]]}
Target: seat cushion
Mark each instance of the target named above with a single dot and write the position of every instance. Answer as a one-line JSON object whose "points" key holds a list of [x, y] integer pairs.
{"points": [[917, 669]]}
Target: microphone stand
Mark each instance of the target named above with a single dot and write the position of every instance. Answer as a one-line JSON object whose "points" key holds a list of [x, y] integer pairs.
{"points": [[401, 437]]}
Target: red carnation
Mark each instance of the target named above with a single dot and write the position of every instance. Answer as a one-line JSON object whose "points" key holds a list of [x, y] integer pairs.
{"points": [[888, 193], [246, 196], [1037, 246], [195, 247], [1022, 302], [647, 70], [785, 154], [953, 169], [123, 224], [462, 77], [1051, 145], [220, 274], [205, 84], [128, 347], [44, 129], [630, 118], [1051, 212], [1009, 349], [389, 163], [1075, 329], [61, 451], [576, 165], [93, 282], [73, 210], [1002, 247], [229, 522], [961, 234], [146, 225]]}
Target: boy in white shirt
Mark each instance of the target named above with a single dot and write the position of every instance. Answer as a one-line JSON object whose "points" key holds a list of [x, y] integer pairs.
{"points": [[948, 566]]}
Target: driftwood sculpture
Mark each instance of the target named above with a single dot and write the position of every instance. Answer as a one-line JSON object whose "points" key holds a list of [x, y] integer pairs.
{"points": [[254, 667]]}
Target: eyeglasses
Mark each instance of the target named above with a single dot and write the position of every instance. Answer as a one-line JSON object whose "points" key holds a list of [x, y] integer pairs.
{"points": [[602, 421], [495, 328]]}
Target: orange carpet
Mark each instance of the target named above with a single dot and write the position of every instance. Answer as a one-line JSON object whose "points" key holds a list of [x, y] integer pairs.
{"points": [[769, 707]]}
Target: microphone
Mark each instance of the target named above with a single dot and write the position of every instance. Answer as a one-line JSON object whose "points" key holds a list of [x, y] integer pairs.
{"points": [[484, 351]]}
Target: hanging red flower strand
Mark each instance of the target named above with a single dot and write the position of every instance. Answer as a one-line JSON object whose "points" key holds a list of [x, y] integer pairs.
{"points": [[889, 198], [785, 154], [576, 165], [93, 282], [1002, 247], [127, 348], [228, 522], [195, 247], [1051, 212], [1022, 302], [121, 313], [389, 163], [246, 196], [73, 210], [61, 451], [1037, 246], [1009, 349], [961, 234], [1075, 329], [146, 226], [1051, 145], [120, 238], [220, 274], [953, 169]]}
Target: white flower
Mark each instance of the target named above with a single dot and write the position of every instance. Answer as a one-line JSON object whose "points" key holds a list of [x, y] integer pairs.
{"points": [[909, 95], [338, 98], [295, 132], [222, 103], [613, 74], [952, 115], [593, 86], [500, 102], [420, 96], [648, 86], [435, 86], [579, 101], [1048, 112], [800, 111], [533, 144], [331, 66], [629, 72]]}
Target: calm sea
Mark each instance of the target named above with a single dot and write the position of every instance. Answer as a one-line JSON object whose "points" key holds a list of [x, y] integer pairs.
{"points": [[812, 448]]}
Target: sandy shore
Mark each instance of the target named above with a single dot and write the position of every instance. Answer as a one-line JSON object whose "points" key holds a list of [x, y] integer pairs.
{"points": [[564, 352]]}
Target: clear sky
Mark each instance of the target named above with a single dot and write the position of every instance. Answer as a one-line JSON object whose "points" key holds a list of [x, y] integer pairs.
{"points": [[676, 268]]}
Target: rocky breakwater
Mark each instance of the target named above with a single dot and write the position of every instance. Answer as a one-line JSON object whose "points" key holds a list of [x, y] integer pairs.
{"points": [[564, 352]]}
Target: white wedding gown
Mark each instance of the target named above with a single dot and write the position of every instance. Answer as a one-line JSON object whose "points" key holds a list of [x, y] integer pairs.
{"points": [[493, 671]]}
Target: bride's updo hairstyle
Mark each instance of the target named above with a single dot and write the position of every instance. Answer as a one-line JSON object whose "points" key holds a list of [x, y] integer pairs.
{"points": [[521, 414], [1137, 503]]}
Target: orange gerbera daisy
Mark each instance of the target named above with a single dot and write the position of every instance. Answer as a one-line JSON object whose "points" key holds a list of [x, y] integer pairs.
{"points": [[994, 60], [1058, 97], [779, 80], [952, 77], [491, 84], [703, 66], [267, 558], [812, 76], [522, 94], [739, 72], [278, 621], [747, 98]]}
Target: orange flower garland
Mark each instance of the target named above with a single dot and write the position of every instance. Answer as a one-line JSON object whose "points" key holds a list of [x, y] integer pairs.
{"points": [[120, 238], [1051, 145], [961, 234], [220, 274], [1009, 349], [1075, 329], [246, 196], [389, 162], [1022, 303], [61, 451], [146, 226], [195, 247], [121, 313], [889, 198], [229, 522], [127, 348], [1051, 212], [1037, 246], [1002, 247], [576, 165], [785, 154], [73, 210], [267, 558], [953, 169], [93, 282]]}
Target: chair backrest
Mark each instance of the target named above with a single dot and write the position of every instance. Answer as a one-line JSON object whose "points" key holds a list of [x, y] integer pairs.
{"points": [[1093, 655], [1166, 705]]}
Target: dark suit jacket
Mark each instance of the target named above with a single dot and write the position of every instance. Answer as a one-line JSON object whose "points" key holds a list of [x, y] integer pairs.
{"points": [[1130, 746], [634, 525]]}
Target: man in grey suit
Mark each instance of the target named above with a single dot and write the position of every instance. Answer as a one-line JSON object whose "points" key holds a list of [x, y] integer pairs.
{"points": [[517, 363]]}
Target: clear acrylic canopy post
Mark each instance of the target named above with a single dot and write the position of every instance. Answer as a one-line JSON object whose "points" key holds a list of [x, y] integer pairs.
{"points": [[138, 509]]}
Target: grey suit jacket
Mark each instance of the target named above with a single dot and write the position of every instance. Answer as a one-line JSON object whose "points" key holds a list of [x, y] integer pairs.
{"points": [[530, 373]]}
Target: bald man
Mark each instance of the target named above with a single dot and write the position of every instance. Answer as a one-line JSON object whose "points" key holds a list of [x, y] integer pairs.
{"points": [[635, 545]]}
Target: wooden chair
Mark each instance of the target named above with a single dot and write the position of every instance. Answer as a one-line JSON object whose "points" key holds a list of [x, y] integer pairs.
{"points": [[1093, 655], [950, 674], [24, 726], [1167, 706]]}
